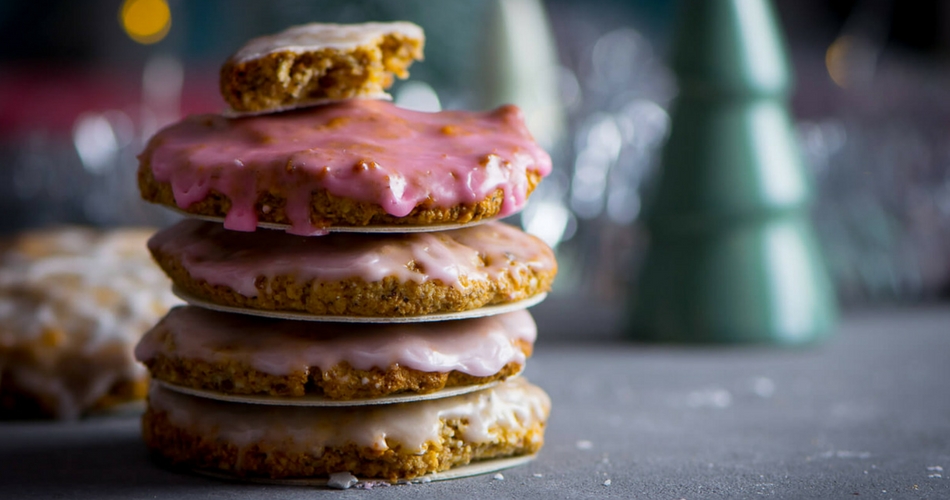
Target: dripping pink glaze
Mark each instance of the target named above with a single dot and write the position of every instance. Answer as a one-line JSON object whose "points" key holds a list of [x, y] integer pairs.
{"points": [[235, 259], [479, 347], [365, 150]]}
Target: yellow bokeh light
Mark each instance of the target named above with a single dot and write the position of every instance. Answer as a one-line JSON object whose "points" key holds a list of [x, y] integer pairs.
{"points": [[852, 61], [836, 60], [145, 21]]}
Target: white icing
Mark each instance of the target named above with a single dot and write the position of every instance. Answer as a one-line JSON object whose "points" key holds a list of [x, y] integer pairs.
{"points": [[316, 36], [342, 480], [485, 416], [73, 302], [479, 347]]}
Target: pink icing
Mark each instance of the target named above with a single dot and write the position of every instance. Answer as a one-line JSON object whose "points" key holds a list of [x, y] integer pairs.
{"points": [[479, 347], [235, 259], [365, 150]]}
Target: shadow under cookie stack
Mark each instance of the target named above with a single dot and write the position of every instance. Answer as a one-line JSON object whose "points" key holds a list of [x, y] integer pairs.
{"points": [[354, 310]]}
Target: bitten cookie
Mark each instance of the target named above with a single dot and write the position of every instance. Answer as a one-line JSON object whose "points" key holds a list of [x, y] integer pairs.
{"points": [[355, 274], [353, 163], [398, 441], [235, 354], [73, 303], [314, 63]]}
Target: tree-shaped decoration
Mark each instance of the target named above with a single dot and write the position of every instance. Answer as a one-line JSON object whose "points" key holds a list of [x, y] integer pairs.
{"points": [[732, 254]]}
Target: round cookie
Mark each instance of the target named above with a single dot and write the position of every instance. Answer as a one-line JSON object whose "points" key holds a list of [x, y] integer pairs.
{"points": [[73, 303], [235, 354], [352, 163], [392, 442], [313, 63], [365, 275]]}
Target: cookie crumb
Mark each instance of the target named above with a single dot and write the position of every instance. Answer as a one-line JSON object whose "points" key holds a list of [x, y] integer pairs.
{"points": [[341, 480], [368, 485]]}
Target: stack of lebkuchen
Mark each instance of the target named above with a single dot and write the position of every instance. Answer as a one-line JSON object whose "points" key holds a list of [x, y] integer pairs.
{"points": [[355, 308]]}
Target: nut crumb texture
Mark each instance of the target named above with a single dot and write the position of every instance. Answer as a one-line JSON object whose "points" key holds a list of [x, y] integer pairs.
{"points": [[316, 63]]}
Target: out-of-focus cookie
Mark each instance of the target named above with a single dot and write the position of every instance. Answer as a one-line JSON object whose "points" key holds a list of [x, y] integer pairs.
{"points": [[315, 63], [73, 303]]}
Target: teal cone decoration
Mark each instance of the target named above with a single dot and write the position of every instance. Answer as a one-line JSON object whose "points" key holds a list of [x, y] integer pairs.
{"points": [[732, 255]]}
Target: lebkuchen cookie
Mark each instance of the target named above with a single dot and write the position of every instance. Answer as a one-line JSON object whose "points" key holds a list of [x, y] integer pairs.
{"points": [[392, 442], [235, 354], [352, 163], [73, 303], [314, 63], [355, 274]]}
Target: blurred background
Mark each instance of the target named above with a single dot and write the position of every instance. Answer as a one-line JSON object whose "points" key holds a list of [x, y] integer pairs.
{"points": [[84, 84]]}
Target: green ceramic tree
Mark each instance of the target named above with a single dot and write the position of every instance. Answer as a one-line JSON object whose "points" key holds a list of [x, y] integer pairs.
{"points": [[732, 254]]}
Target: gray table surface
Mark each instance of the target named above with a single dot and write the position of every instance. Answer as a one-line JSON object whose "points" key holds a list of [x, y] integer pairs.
{"points": [[866, 415]]}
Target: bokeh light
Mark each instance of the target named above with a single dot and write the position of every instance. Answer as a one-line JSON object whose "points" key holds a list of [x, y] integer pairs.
{"points": [[146, 21], [851, 61]]}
